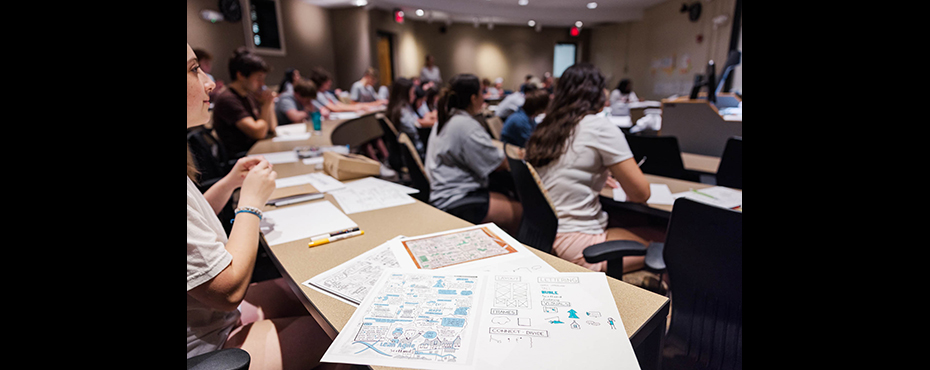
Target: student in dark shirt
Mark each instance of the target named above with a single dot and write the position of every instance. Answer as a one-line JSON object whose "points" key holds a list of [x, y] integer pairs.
{"points": [[244, 112], [520, 124]]}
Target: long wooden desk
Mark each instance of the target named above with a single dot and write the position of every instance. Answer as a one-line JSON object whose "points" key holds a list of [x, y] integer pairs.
{"points": [[642, 312]]}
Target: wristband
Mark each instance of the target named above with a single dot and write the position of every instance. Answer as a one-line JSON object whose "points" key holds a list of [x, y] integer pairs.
{"points": [[252, 210]]}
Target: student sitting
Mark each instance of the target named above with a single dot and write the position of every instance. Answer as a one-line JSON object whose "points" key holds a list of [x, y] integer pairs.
{"points": [[461, 156], [363, 90], [327, 102], [518, 126], [296, 106], [224, 309], [401, 113], [244, 112], [575, 153]]}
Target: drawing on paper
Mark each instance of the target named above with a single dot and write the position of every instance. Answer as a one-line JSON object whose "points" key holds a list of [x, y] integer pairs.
{"points": [[454, 248], [515, 295], [418, 317], [355, 280]]}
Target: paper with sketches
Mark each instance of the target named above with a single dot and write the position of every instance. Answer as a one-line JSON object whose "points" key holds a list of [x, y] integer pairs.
{"points": [[719, 196], [482, 247], [351, 281], [659, 194], [480, 320], [366, 196], [303, 221]]}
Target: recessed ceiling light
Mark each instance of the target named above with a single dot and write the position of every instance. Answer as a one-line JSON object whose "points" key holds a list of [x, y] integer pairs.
{"points": [[361, 2], [420, 12], [531, 23], [523, 2], [592, 5], [578, 24]]}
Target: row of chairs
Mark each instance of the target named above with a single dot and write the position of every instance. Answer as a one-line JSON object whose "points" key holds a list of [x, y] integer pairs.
{"points": [[663, 157]]}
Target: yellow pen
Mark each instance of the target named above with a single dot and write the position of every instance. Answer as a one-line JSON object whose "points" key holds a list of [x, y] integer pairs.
{"points": [[335, 238]]}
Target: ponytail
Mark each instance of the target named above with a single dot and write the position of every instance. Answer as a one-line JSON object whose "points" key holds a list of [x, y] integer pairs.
{"points": [[456, 96]]}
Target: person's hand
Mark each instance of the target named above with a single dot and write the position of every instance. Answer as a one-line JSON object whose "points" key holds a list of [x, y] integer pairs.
{"points": [[612, 182], [258, 185], [239, 170], [266, 96]]}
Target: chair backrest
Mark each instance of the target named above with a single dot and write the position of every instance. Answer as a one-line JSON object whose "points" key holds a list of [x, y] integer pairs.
{"points": [[356, 132], [730, 170], [209, 155], [539, 224], [495, 125], [704, 260], [662, 154], [390, 141], [418, 175]]}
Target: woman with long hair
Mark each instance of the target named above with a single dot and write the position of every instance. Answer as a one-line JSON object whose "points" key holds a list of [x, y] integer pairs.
{"points": [[461, 157], [224, 309], [402, 114], [575, 153]]}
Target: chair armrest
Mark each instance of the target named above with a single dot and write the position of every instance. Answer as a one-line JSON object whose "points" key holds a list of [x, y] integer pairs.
{"points": [[229, 358], [613, 249]]}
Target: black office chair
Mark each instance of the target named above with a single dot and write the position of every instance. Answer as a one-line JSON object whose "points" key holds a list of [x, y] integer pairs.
{"points": [[357, 132], [209, 155], [395, 161], [660, 155], [224, 359], [419, 179], [730, 170], [703, 254]]}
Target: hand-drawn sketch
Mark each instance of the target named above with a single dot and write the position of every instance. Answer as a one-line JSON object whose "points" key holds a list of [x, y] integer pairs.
{"points": [[457, 247], [354, 279]]}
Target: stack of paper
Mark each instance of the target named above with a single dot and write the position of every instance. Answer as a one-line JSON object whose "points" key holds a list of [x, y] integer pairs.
{"points": [[659, 194], [371, 193], [718, 196], [303, 221]]}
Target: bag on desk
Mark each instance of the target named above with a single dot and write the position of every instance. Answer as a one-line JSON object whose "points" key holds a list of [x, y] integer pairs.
{"points": [[349, 166]]}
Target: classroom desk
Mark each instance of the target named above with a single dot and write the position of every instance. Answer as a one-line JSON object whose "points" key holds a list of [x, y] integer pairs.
{"points": [[658, 210], [700, 162], [642, 312]]}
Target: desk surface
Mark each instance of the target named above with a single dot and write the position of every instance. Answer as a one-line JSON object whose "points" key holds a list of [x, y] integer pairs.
{"points": [[641, 311]]}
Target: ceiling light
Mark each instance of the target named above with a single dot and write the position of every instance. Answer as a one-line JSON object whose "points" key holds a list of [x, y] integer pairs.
{"points": [[361, 2], [420, 12], [592, 5], [578, 24], [531, 23], [523, 2]]}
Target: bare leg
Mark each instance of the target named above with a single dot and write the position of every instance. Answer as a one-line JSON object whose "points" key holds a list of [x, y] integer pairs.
{"points": [[291, 343], [505, 212]]}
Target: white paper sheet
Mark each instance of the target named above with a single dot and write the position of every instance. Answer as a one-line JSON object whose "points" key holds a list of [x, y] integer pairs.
{"points": [[279, 157], [367, 195], [291, 129], [718, 196], [659, 194], [374, 181], [482, 247], [443, 320], [343, 115], [303, 221], [351, 281], [321, 181]]}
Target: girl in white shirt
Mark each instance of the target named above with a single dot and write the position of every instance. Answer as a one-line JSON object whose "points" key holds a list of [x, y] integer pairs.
{"points": [[575, 153], [223, 309]]}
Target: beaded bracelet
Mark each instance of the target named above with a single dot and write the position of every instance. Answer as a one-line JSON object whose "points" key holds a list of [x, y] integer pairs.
{"points": [[252, 210]]}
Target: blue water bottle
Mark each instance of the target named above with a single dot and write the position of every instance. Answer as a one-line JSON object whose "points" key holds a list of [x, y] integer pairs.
{"points": [[317, 129]]}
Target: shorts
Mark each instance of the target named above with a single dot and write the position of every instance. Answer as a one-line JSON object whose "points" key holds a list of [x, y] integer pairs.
{"points": [[571, 246], [473, 207]]}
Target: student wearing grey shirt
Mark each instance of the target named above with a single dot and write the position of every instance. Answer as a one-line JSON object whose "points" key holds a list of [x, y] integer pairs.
{"points": [[461, 156]]}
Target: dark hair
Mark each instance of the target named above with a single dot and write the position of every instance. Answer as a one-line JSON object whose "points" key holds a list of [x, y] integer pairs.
{"points": [[400, 96], [202, 55], [624, 86], [580, 92], [319, 76], [245, 62], [456, 96], [430, 94], [288, 77], [536, 102], [305, 88]]}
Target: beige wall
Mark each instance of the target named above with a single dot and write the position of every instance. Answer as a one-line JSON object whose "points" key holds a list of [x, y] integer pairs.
{"points": [[307, 38], [660, 53], [510, 52], [635, 50]]}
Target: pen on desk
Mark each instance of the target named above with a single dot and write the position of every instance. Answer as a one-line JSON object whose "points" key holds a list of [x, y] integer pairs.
{"points": [[706, 195], [330, 235], [335, 238]]}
